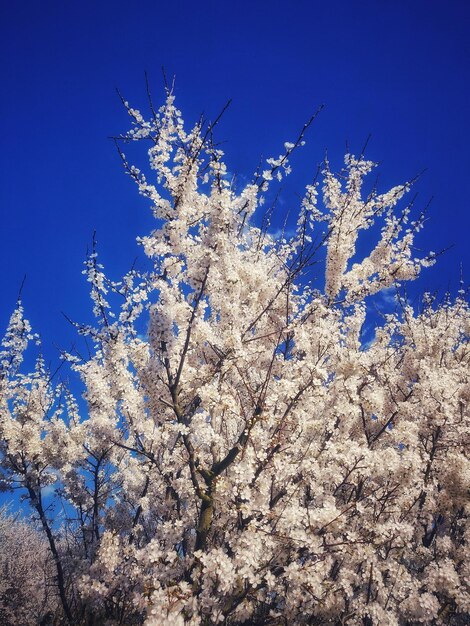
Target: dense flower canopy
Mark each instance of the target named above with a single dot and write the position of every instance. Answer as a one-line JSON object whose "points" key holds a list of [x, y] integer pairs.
{"points": [[251, 459], [26, 572]]}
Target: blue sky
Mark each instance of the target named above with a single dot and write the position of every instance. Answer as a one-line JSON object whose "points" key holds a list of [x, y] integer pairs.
{"points": [[398, 70]]}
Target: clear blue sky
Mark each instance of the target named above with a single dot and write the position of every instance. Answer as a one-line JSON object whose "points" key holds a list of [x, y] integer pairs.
{"points": [[398, 69]]}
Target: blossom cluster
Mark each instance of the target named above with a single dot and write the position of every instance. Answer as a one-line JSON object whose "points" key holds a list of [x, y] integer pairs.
{"points": [[250, 459]]}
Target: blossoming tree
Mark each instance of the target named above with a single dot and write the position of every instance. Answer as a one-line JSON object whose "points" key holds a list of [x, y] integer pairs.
{"points": [[26, 577], [250, 459]]}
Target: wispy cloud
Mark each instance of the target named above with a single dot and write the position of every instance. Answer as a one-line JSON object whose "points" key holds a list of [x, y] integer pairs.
{"points": [[48, 491], [388, 295], [287, 233]]}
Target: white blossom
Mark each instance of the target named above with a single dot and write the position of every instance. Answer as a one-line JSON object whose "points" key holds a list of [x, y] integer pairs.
{"points": [[249, 458]]}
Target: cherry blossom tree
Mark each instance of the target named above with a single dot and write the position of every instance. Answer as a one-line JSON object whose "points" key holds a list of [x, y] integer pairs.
{"points": [[27, 594], [250, 457]]}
